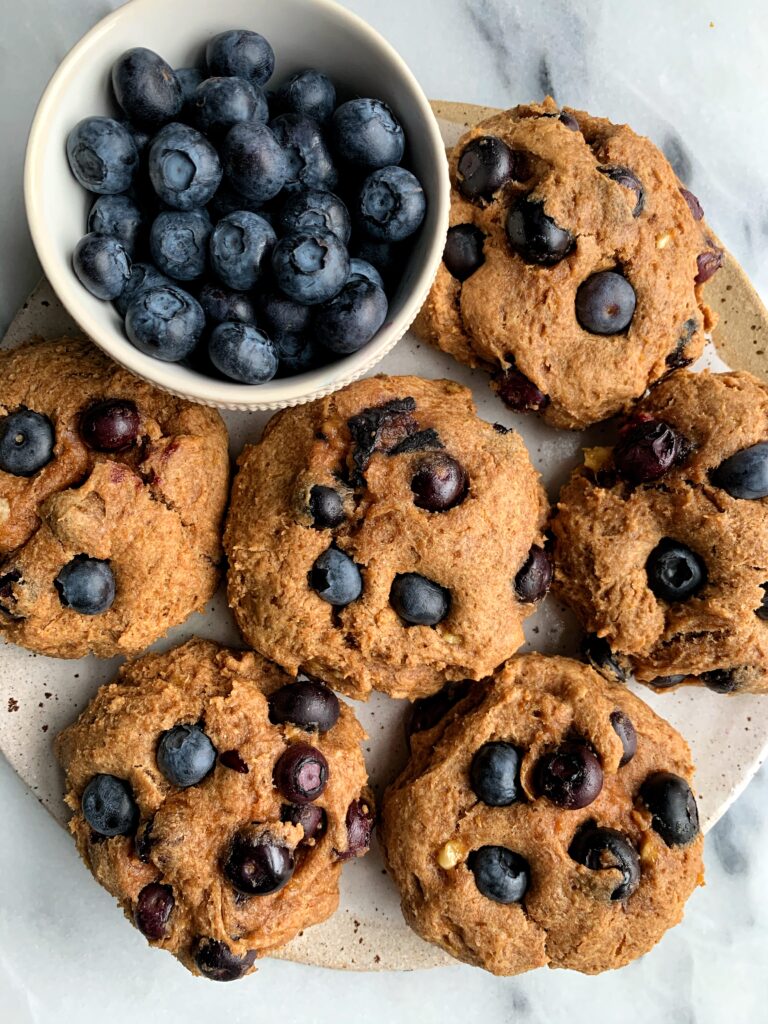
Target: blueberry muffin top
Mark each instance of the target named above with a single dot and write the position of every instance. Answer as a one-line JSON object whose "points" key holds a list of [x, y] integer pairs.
{"points": [[661, 541], [546, 820], [112, 494], [217, 798], [385, 537], [574, 263]]}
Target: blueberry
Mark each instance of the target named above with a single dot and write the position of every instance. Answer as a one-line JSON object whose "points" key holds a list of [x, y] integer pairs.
{"points": [[439, 483], [283, 314], [365, 133], [310, 266], [116, 216], [164, 322], [605, 303], [708, 263], [315, 209], [102, 265], [570, 776], [309, 93], [495, 774], [229, 200], [386, 257], [535, 236], [301, 773], [762, 610], [185, 755], [463, 253], [419, 601], [720, 680], [426, 712], [146, 87], [570, 122], [307, 703], [518, 392], [222, 304], [598, 653], [231, 759], [628, 180], [308, 160], [102, 155], [667, 682], [140, 137], [153, 910], [675, 815], [646, 450], [258, 864], [188, 79], [693, 203], [622, 725], [362, 269], [312, 819], [535, 578], [143, 277], [326, 507], [500, 874], [239, 247], [605, 849], [359, 822], [184, 167], [109, 807], [675, 573], [178, 242], [336, 578], [27, 440], [486, 164], [391, 205], [254, 161], [86, 585], [220, 103], [241, 54], [215, 960], [111, 425], [243, 353], [296, 353], [745, 474], [350, 319]]}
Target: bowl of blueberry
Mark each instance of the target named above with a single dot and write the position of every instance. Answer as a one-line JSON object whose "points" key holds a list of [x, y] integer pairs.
{"points": [[245, 203]]}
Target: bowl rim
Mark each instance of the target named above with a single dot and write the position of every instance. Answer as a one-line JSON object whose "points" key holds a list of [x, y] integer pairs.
{"points": [[275, 394]]}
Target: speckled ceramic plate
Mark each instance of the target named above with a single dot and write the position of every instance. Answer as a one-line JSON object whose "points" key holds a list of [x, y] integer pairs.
{"points": [[728, 735]]}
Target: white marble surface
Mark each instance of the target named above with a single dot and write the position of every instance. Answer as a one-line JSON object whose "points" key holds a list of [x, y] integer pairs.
{"points": [[700, 90]]}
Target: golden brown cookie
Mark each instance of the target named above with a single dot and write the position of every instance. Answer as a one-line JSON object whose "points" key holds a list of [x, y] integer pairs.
{"points": [[385, 537], [217, 799], [662, 541], [544, 204], [546, 821], [112, 495]]}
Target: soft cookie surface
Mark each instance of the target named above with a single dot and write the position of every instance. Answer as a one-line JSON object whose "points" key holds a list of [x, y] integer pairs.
{"points": [[661, 542], [111, 500], [546, 821], [375, 538], [544, 204], [239, 794]]}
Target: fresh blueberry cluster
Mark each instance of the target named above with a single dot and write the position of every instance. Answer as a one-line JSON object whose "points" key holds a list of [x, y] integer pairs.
{"points": [[250, 233]]}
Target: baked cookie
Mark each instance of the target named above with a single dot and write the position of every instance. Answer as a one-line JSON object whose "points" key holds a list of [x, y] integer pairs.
{"points": [[573, 266], [385, 537], [547, 821], [112, 495], [217, 799], [662, 541]]}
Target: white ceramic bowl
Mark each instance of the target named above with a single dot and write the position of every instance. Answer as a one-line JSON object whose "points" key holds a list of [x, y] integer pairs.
{"points": [[304, 33]]}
